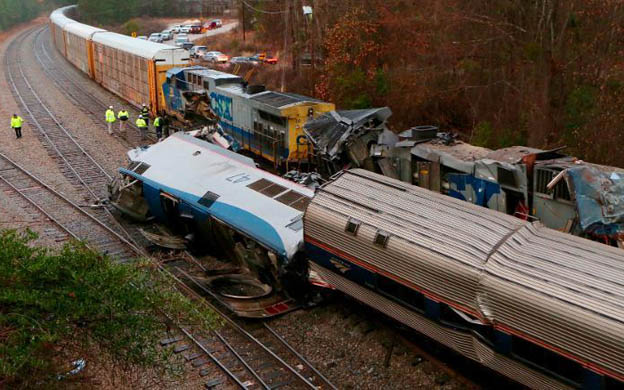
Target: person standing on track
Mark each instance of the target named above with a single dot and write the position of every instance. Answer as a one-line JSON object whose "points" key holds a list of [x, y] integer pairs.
{"points": [[110, 119], [16, 124], [145, 112], [142, 125], [158, 125], [123, 117]]}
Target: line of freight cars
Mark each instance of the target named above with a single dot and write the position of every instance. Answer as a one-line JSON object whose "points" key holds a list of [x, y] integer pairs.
{"points": [[539, 306]]}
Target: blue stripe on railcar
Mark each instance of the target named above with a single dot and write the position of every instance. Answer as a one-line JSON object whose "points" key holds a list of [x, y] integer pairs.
{"points": [[239, 219]]}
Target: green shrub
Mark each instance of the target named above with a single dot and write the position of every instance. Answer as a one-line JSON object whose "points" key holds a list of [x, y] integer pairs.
{"points": [[76, 299]]}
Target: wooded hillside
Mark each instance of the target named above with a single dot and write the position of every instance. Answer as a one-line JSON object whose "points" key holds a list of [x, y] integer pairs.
{"points": [[542, 73]]}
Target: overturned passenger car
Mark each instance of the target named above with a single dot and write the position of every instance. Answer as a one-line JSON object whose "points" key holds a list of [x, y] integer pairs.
{"points": [[218, 201]]}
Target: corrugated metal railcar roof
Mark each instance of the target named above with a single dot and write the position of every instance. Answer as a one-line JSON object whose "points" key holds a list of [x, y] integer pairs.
{"points": [[279, 99], [142, 48], [537, 283], [437, 243]]}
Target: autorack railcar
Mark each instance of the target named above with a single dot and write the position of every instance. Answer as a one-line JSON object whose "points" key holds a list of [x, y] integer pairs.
{"points": [[131, 68]]}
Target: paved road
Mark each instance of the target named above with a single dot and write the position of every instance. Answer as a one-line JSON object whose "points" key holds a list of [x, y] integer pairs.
{"points": [[193, 37]]}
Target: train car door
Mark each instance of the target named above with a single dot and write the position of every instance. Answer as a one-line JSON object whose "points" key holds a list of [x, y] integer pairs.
{"points": [[177, 214]]}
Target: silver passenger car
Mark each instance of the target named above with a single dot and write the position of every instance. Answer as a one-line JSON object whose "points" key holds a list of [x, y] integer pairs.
{"points": [[520, 298]]}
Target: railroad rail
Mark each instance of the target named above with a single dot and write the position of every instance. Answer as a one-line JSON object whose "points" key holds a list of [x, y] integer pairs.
{"points": [[76, 92], [280, 366], [78, 164], [242, 359], [80, 168], [63, 212]]}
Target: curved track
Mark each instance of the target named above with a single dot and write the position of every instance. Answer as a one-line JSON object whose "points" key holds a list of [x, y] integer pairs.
{"points": [[239, 359], [75, 90]]}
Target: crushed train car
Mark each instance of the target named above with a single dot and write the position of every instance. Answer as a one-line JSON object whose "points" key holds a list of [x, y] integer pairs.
{"points": [[269, 124], [344, 138], [218, 201], [562, 192]]}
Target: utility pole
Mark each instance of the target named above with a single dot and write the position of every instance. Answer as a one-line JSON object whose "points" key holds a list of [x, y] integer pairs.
{"points": [[282, 63], [243, 10]]}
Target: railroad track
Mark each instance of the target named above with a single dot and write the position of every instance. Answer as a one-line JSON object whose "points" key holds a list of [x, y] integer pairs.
{"points": [[76, 92], [64, 213], [239, 358], [80, 168], [251, 355]]}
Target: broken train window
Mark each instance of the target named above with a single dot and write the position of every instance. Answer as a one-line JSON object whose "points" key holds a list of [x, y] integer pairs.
{"points": [[545, 176]]}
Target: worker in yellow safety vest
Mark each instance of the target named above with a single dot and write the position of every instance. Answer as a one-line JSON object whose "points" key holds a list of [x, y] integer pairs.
{"points": [[110, 119], [158, 125], [123, 117], [16, 124], [142, 125], [145, 112]]}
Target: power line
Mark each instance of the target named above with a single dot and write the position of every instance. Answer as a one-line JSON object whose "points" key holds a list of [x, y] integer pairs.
{"points": [[262, 11]]}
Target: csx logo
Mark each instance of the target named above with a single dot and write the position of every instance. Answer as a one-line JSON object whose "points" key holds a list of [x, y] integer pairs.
{"points": [[221, 105]]}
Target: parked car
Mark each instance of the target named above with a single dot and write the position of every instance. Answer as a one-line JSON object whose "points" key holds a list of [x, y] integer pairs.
{"points": [[215, 56], [198, 51], [245, 60], [176, 29], [156, 37], [196, 29], [183, 35], [187, 45], [267, 58], [167, 35], [185, 29], [214, 24], [180, 41], [143, 37]]}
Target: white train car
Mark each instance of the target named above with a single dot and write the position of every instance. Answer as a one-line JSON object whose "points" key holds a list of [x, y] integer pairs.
{"points": [[132, 68], [201, 188]]}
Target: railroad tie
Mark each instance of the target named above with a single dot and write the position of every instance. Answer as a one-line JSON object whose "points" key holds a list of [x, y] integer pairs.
{"points": [[199, 362], [192, 356], [212, 383], [181, 348], [171, 340]]}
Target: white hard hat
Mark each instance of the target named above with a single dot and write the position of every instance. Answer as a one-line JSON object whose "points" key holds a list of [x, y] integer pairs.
{"points": [[144, 104], [141, 116], [111, 107]]}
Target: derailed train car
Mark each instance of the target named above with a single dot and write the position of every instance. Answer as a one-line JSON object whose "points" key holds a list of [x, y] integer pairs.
{"points": [[267, 123], [210, 194], [540, 306]]}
